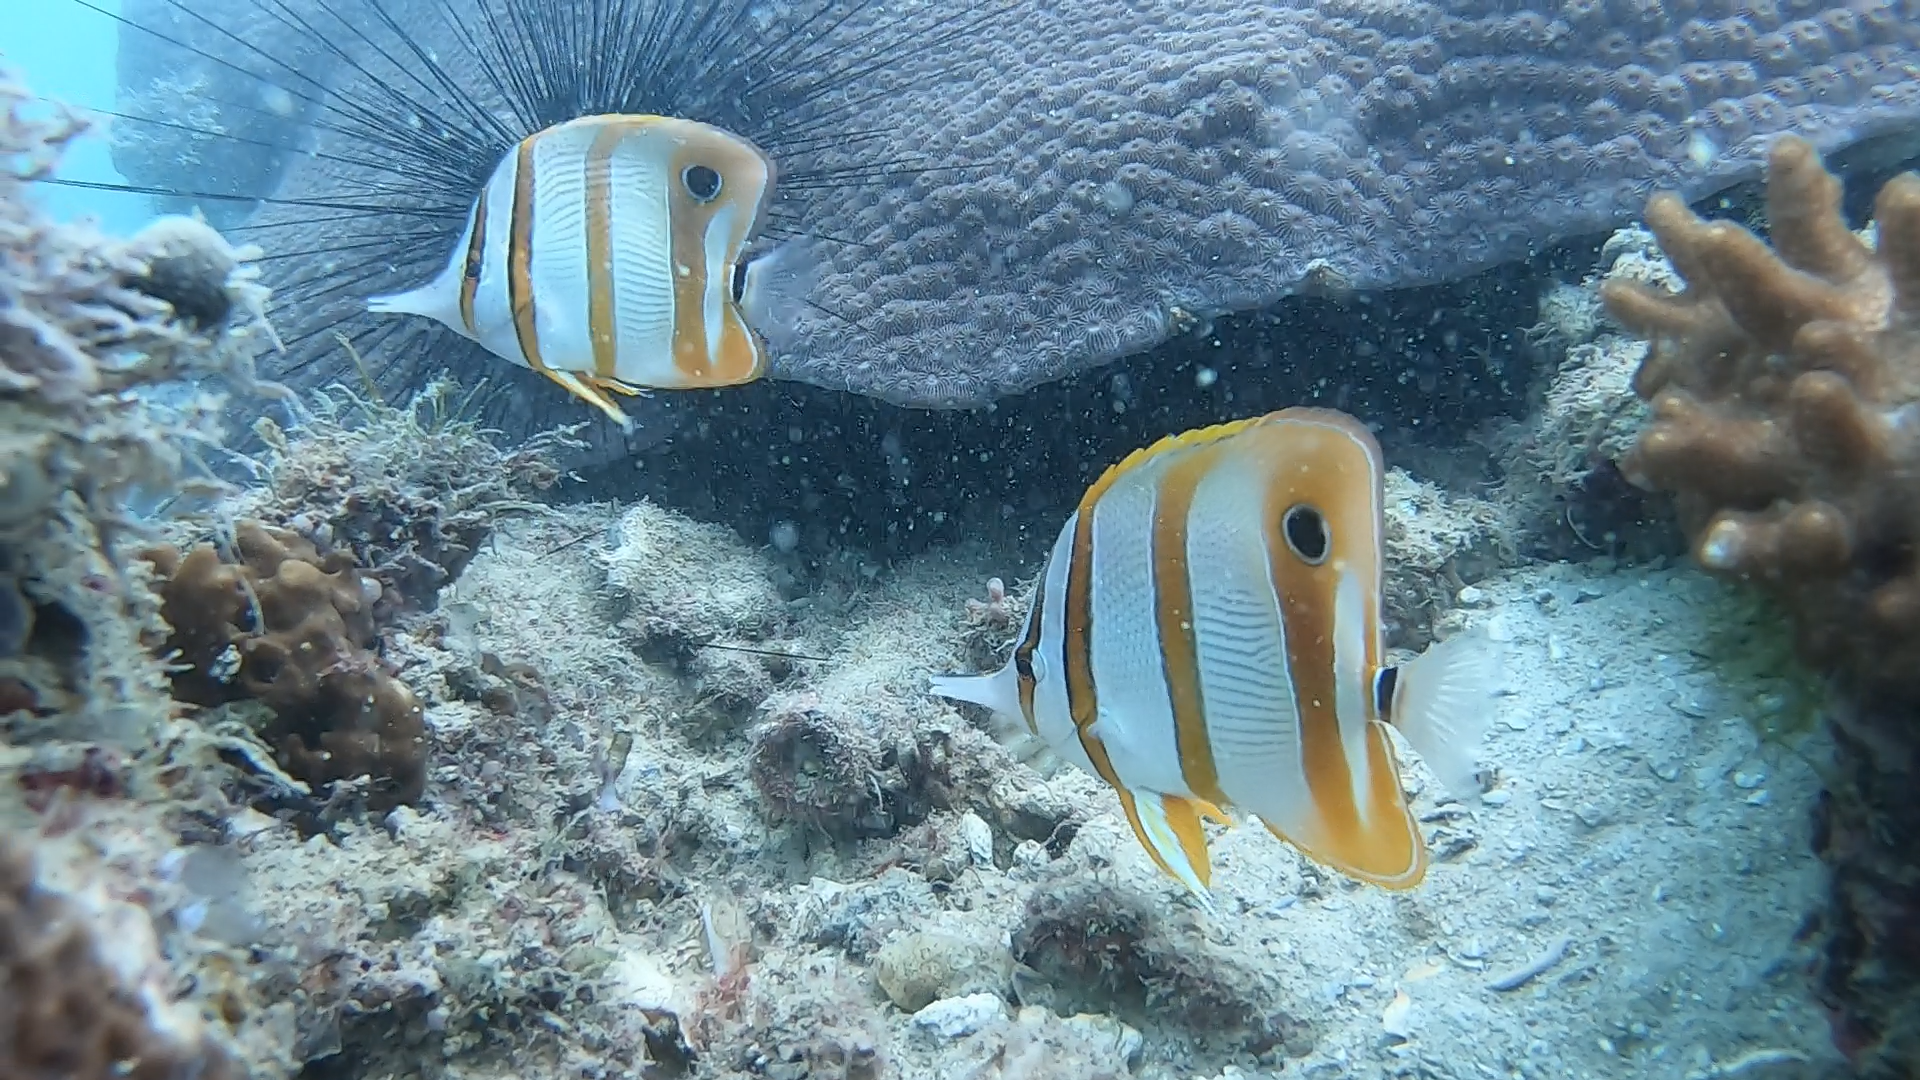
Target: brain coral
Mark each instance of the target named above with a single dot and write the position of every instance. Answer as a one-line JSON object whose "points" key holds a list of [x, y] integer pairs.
{"points": [[1784, 385], [1106, 173]]}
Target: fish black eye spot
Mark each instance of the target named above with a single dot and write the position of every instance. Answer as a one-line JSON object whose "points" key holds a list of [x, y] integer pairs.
{"points": [[1306, 531], [701, 182]]}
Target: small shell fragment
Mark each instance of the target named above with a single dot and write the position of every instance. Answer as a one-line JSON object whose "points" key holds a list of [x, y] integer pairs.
{"points": [[1397, 1020], [977, 835], [1425, 969]]}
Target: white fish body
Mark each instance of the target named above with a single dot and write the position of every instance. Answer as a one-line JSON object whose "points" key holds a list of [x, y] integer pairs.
{"points": [[1207, 635], [608, 253]]}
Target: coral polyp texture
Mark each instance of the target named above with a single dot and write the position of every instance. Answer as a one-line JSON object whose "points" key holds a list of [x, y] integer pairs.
{"points": [[1784, 382], [1101, 176]]}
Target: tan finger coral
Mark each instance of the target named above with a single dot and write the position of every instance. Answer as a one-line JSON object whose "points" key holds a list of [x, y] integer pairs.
{"points": [[1785, 385]]}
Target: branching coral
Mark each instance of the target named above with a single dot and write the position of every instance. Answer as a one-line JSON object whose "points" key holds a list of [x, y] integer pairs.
{"points": [[295, 630], [1785, 386], [88, 324]]}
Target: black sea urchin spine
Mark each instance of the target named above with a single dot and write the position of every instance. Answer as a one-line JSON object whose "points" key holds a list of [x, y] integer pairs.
{"points": [[349, 137]]}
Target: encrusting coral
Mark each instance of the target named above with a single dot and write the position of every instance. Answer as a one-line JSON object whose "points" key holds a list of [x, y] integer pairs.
{"points": [[295, 630], [1784, 384]]}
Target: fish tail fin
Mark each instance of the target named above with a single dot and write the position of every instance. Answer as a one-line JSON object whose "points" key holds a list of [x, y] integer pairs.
{"points": [[430, 300], [997, 690], [1441, 704], [1169, 828]]}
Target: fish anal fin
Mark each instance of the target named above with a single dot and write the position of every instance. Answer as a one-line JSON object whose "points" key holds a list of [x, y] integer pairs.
{"points": [[615, 385], [1168, 827]]}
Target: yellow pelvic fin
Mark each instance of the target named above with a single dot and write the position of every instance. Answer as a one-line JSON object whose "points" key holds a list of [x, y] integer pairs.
{"points": [[615, 385], [578, 388], [1168, 826]]}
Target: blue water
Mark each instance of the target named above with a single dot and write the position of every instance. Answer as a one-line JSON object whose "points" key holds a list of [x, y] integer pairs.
{"points": [[66, 53]]}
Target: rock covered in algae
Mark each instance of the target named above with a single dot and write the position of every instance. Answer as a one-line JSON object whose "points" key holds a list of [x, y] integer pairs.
{"points": [[88, 325], [410, 491]]}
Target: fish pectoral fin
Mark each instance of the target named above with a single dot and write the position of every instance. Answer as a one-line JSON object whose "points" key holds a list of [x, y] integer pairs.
{"points": [[1168, 826], [579, 388], [1442, 703]]}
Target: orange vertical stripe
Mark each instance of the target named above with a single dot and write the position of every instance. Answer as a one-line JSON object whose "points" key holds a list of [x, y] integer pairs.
{"points": [[476, 261], [687, 224], [1173, 615], [1306, 610], [520, 257], [1023, 653], [601, 317], [1076, 639]]}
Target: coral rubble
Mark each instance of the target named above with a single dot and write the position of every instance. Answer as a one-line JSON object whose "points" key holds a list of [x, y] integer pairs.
{"points": [[1562, 478], [1436, 542], [1784, 384], [295, 630], [1105, 949]]}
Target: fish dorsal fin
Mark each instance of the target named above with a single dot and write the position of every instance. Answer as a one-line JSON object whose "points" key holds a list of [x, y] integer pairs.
{"points": [[1167, 444]]}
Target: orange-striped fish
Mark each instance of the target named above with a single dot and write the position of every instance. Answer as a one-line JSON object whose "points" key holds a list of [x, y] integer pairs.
{"points": [[1206, 635], [608, 254]]}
